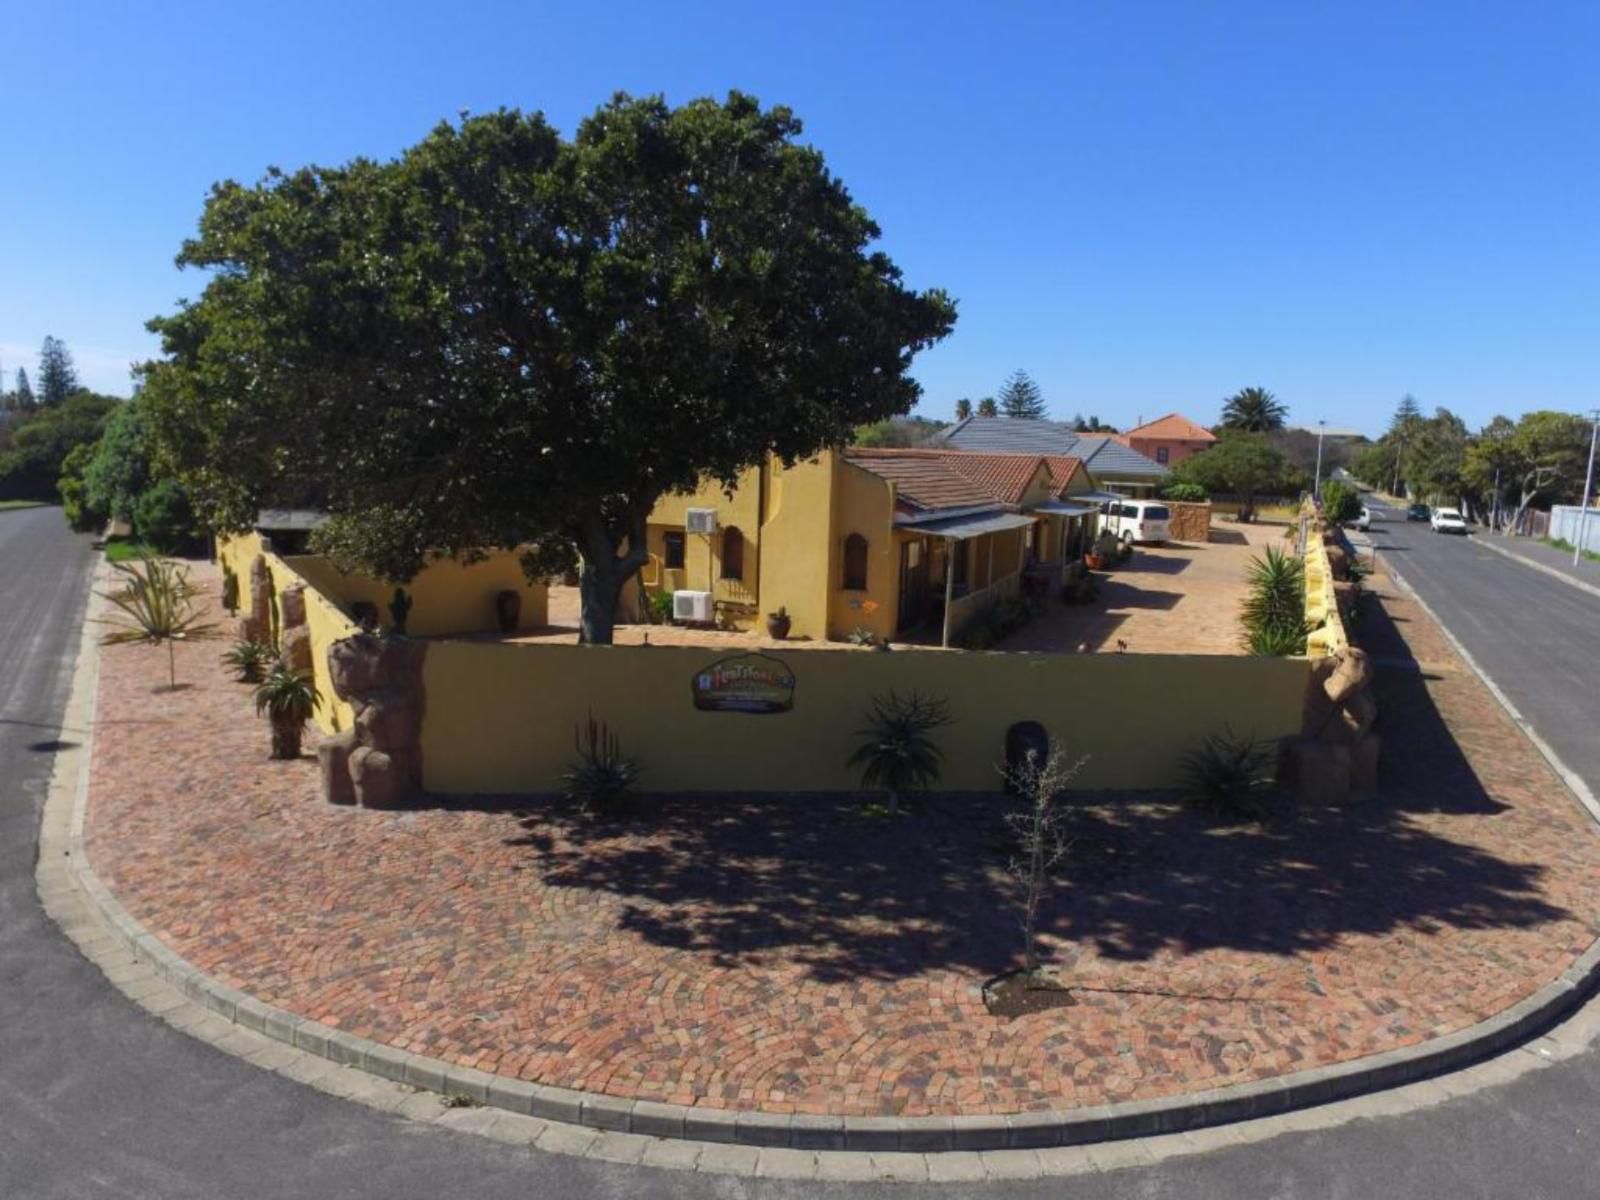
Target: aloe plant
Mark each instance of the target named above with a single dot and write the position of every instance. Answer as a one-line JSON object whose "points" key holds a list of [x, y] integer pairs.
{"points": [[155, 605], [249, 660], [899, 753], [288, 699], [1274, 614]]}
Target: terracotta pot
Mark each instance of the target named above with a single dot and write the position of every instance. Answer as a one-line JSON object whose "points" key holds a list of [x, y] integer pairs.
{"points": [[508, 610], [778, 626]]}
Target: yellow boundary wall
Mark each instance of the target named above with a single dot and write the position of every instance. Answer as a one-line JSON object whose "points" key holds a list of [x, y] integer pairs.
{"points": [[501, 718], [1326, 634]]}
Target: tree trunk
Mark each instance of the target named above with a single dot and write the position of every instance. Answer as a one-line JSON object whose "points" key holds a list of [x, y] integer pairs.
{"points": [[286, 739], [603, 573]]}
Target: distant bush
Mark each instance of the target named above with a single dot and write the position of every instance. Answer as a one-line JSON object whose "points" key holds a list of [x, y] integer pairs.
{"points": [[1340, 503], [162, 517], [1191, 492]]}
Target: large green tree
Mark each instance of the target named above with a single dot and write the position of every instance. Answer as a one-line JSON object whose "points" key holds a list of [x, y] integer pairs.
{"points": [[503, 336], [40, 444], [1019, 396], [58, 377], [1542, 457], [1253, 410], [118, 469], [1244, 464]]}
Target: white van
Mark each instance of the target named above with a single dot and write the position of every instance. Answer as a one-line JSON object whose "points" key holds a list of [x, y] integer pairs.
{"points": [[1136, 520]]}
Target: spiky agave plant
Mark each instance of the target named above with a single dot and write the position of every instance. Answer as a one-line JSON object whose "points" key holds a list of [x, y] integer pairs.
{"points": [[156, 605], [288, 699], [249, 660], [1274, 613], [899, 753]]}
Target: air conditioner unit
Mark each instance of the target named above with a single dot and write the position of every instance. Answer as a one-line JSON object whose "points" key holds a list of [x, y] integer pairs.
{"points": [[700, 520], [692, 606]]}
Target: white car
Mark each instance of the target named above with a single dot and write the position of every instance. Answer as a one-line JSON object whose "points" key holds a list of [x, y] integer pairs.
{"points": [[1447, 520], [1363, 520], [1137, 521]]}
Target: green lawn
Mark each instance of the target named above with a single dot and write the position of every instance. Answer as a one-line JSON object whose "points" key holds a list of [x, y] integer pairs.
{"points": [[1563, 544], [124, 550], [5, 504]]}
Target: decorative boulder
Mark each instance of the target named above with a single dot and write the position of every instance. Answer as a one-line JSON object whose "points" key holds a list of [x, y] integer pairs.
{"points": [[333, 764]]}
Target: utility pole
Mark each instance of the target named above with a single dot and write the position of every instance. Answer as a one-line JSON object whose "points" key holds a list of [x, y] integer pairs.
{"points": [[1588, 482], [1316, 483]]}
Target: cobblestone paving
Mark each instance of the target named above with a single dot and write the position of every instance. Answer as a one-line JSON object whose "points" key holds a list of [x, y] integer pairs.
{"points": [[795, 956]]}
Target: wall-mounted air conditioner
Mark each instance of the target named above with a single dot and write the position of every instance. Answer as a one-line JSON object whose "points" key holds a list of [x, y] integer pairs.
{"points": [[692, 606], [700, 520]]}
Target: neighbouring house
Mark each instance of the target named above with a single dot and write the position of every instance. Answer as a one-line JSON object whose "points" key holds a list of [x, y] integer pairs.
{"points": [[1115, 467], [1168, 440], [898, 542], [289, 530]]}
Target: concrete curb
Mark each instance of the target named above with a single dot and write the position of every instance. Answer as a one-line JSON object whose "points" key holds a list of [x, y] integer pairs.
{"points": [[930, 1136], [1554, 572]]}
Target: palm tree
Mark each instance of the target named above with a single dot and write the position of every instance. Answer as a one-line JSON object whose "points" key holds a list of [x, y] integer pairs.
{"points": [[1254, 410]]}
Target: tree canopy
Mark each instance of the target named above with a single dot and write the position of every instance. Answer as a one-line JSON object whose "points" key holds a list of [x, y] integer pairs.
{"points": [[963, 409], [1244, 464], [988, 408], [1020, 396], [504, 336], [1253, 410], [42, 440]]}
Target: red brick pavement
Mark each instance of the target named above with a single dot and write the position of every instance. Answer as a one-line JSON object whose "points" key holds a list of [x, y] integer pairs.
{"points": [[793, 955]]}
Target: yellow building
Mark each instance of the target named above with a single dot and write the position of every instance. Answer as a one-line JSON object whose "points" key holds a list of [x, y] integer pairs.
{"points": [[907, 544]]}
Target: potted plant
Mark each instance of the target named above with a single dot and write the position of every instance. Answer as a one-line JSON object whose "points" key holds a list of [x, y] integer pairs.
{"points": [[287, 699], [778, 624], [508, 609]]}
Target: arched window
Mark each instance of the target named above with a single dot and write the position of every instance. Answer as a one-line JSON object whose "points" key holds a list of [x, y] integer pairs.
{"points": [[855, 563], [732, 553]]}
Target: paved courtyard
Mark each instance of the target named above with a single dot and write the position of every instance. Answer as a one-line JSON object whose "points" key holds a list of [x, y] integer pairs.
{"points": [[1172, 599], [794, 955]]}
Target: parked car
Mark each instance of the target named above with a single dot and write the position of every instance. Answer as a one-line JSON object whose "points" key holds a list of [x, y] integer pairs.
{"points": [[1136, 521], [1448, 520], [1418, 512], [1363, 520]]}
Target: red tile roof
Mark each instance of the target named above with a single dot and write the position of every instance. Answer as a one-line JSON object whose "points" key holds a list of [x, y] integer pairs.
{"points": [[936, 479], [1173, 426]]}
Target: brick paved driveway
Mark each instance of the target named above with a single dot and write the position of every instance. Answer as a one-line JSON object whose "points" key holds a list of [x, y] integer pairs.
{"points": [[792, 955]]}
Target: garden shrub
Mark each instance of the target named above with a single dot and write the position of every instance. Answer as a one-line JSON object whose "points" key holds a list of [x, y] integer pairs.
{"points": [[602, 776], [1274, 614], [1229, 774]]}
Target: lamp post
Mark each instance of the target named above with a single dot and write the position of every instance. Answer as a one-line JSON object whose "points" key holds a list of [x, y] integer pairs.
{"points": [[1316, 484], [1588, 482]]}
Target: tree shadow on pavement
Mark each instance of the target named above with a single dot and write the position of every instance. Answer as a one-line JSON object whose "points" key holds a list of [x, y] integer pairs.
{"points": [[845, 895]]}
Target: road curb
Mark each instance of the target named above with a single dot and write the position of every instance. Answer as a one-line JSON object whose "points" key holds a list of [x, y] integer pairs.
{"points": [[1554, 572], [63, 862]]}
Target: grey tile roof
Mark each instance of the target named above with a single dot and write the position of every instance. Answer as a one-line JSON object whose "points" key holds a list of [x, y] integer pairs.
{"points": [[289, 520], [1105, 457]]}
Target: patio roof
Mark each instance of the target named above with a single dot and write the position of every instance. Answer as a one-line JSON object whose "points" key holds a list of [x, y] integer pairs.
{"points": [[1098, 497], [1065, 508], [961, 528]]}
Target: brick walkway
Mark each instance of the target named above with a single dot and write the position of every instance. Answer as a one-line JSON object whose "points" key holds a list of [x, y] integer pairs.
{"points": [[794, 956], [1175, 599]]}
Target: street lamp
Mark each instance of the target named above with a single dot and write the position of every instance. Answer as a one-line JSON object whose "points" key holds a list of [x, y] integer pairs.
{"points": [[1588, 482], [1316, 484]]}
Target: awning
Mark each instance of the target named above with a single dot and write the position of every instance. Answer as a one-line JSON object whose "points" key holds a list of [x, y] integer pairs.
{"points": [[1065, 508], [961, 528]]}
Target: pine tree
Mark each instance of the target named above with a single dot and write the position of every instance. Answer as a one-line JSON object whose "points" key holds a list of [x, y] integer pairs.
{"points": [[1406, 415], [22, 395], [58, 378], [1020, 397]]}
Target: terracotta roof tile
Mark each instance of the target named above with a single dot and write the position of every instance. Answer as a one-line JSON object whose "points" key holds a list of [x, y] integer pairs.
{"points": [[935, 479], [1174, 426]]}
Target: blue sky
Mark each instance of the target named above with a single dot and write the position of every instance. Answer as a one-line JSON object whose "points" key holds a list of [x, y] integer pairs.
{"points": [[1147, 205]]}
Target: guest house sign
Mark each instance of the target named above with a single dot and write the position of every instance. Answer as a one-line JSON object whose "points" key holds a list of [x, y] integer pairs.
{"points": [[746, 683]]}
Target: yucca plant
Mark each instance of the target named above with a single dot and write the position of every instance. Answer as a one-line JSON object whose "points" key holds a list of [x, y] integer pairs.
{"points": [[603, 775], [1230, 774], [1274, 614], [249, 660], [899, 754], [155, 605], [288, 699]]}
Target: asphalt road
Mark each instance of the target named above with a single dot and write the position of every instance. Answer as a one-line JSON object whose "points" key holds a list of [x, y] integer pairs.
{"points": [[1534, 635], [98, 1099]]}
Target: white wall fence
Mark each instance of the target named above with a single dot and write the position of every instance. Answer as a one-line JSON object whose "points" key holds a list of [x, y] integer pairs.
{"points": [[1565, 520]]}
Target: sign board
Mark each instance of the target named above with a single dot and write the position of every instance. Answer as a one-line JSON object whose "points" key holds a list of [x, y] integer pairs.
{"points": [[745, 683]]}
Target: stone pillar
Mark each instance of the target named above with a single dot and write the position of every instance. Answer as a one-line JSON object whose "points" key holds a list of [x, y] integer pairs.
{"points": [[381, 678], [294, 639], [1337, 752]]}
